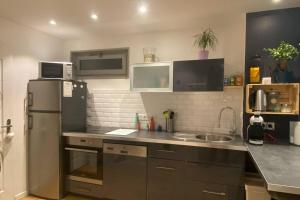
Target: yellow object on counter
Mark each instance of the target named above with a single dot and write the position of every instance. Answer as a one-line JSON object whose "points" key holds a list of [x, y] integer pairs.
{"points": [[254, 74]]}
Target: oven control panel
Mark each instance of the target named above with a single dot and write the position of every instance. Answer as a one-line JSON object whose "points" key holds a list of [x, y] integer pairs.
{"points": [[85, 142]]}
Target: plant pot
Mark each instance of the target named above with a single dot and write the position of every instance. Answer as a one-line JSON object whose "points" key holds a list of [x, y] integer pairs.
{"points": [[283, 64], [203, 54]]}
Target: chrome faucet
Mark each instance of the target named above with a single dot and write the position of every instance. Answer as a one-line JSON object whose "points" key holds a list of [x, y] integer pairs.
{"points": [[233, 128]]}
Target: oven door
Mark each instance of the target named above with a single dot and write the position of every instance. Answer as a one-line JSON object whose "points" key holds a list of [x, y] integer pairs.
{"points": [[84, 165]]}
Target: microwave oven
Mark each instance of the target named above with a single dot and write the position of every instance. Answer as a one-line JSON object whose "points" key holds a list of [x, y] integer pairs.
{"points": [[55, 70]]}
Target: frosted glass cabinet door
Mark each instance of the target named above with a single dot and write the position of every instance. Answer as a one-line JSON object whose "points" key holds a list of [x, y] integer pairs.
{"points": [[154, 77]]}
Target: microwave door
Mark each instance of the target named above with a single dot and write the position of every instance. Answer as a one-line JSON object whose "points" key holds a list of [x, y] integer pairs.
{"points": [[44, 95]]}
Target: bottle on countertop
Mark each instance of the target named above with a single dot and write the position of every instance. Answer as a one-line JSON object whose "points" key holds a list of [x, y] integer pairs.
{"points": [[152, 124], [159, 128], [137, 122]]}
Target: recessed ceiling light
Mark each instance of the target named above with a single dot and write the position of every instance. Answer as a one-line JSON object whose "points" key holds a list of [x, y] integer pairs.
{"points": [[94, 16], [143, 9], [52, 22], [276, 1]]}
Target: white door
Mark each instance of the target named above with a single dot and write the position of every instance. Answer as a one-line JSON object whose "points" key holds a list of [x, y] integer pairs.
{"points": [[1, 132], [5, 144]]}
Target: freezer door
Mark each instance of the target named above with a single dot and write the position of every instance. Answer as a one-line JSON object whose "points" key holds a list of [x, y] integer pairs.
{"points": [[44, 95], [44, 171], [74, 109]]}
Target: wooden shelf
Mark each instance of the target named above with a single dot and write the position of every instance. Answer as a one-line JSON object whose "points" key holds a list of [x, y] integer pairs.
{"points": [[233, 86], [274, 113], [288, 93]]}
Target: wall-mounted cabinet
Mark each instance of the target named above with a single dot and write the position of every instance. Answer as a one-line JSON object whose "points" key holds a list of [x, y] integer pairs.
{"points": [[178, 76], [152, 77], [287, 96], [198, 75], [106, 63]]}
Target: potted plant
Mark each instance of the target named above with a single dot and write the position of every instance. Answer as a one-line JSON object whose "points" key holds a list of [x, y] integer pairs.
{"points": [[283, 54], [205, 40]]}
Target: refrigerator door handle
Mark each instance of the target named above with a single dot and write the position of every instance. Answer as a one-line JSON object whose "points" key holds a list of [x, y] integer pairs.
{"points": [[30, 121], [30, 99]]}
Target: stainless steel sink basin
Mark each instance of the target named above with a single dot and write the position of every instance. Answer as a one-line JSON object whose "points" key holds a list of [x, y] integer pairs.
{"points": [[203, 137], [214, 138]]}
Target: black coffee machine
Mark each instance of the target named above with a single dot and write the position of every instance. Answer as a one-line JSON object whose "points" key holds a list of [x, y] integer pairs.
{"points": [[255, 131]]}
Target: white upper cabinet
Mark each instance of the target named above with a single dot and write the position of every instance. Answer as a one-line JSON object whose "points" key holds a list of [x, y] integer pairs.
{"points": [[152, 77]]}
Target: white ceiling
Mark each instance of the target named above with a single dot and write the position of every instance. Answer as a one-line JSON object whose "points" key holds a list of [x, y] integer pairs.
{"points": [[121, 16]]}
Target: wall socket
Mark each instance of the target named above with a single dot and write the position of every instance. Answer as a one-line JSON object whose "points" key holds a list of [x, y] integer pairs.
{"points": [[269, 126]]}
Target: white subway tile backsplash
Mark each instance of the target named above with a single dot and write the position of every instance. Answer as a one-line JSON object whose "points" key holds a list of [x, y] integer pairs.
{"points": [[194, 111]]}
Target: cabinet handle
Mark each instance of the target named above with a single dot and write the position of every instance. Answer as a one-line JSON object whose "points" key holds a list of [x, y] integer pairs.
{"points": [[123, 152], [165, 151], [81, 150], [166, 168], [30, 99], [214, 193], [30, 121], [84, 190]]}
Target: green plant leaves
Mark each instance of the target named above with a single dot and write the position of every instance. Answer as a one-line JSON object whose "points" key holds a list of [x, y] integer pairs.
{"points": [[206, 39], [283, 51]]}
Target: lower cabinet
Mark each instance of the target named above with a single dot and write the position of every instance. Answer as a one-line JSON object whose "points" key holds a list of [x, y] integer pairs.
{"points": [[195, 174], [165, 179], [195, 190]]}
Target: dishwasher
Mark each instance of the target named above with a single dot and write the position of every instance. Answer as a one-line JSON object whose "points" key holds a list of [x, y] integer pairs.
{"points": [[125, 171]]}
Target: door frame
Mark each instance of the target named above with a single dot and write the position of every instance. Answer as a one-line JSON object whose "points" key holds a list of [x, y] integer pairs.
{"points": [[1, 130]]}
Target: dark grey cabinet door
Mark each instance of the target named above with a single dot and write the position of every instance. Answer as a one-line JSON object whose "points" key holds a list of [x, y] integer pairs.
{"points": [[124, 177], [165, 179], [195, 190], [198, 75], [214, 173]]}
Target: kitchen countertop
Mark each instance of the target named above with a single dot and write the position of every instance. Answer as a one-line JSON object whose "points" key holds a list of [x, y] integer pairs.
{"points": [[279, 165], [158, 137]]}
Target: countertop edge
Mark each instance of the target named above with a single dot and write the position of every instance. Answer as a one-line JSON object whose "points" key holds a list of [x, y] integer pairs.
{"points": [[161, 141]]}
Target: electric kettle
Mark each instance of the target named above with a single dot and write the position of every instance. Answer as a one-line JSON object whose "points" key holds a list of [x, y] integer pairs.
{"points": [[258, 100]]}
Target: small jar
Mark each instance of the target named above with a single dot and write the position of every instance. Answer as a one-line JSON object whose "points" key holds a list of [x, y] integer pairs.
{"points": [[226, 80], [149, 55], [286, 108], [232, 80], [238, 80]]}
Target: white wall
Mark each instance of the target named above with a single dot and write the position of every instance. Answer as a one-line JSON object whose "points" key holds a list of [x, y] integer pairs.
{"points": [[170, 45], [21, 48]]}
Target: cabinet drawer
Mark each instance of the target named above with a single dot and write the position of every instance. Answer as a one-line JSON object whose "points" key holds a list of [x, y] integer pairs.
{"points": [[84, 189], [216, 156], [165, 179], [205, 191], [167, 151], [214, 174]]}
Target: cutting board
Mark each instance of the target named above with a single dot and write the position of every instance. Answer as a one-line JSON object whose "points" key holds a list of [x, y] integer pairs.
{"points": [[121, 132]]}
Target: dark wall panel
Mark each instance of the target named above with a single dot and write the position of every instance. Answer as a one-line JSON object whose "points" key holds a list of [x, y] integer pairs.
{"points": [[264, 30]]}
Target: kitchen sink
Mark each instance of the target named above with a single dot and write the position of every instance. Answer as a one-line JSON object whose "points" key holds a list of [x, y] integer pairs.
{"points": [[203, 137], [214, 138], [184, 136]]}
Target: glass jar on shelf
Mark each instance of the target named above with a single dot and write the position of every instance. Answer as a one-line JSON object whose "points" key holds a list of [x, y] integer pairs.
{"points": [[149, 55]]}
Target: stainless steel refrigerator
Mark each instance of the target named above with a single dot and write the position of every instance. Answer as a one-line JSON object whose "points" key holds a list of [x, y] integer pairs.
{"points": [[54, 106]]}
